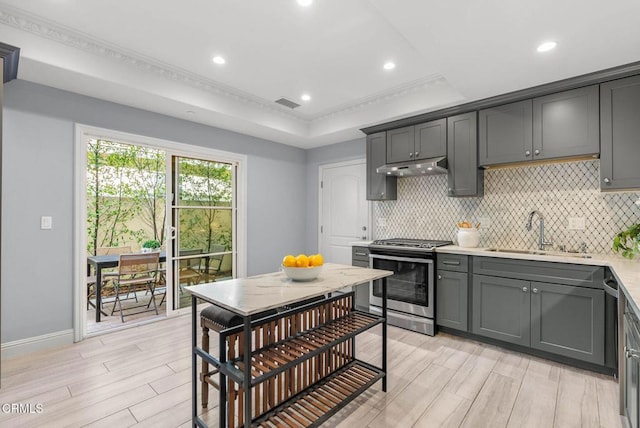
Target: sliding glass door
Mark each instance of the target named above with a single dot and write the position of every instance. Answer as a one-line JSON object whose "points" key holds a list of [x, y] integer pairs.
{"points": [[203, 220]]}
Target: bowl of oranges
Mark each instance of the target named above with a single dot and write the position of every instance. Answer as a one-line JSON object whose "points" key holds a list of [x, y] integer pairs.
{"points": [[302, 267]]}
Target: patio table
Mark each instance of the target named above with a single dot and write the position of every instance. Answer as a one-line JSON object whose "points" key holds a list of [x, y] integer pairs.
{"points": [[103, 262]]}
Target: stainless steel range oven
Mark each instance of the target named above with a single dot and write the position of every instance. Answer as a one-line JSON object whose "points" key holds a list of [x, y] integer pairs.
{"points": [[410, 290]]}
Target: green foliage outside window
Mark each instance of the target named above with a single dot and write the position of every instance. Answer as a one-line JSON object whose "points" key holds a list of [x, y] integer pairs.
{"points": [[126, 187]]}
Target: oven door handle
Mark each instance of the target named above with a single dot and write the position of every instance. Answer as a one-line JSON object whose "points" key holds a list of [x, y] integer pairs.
{"points": [[400, 259]]}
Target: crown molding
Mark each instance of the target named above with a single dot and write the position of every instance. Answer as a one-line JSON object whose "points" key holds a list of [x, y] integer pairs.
{"points": [[38, 26], [27, 22], [383, 96]]}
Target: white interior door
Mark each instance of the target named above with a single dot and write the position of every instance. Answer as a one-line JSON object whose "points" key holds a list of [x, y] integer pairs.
{"points": [[344, 210]]}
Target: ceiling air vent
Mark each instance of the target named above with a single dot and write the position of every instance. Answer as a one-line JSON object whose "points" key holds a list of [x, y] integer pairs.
{"points": [[287, 103]]}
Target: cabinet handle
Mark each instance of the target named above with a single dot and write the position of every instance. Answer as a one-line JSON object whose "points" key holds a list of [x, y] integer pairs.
{"points": [[417, 153], [606, 180], [451, 191], [536, 152], [527, 153], [439, 276], [535, 290], [525, 289], [410, 154], [631, 353], [451, 262], [360, 254], [382, 194]]}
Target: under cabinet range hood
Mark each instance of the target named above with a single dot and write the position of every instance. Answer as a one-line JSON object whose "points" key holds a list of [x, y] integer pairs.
{"points": [[430, 166]]}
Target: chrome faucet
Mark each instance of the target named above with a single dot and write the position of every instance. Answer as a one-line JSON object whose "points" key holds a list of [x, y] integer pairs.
{"points": [[541, 242]]}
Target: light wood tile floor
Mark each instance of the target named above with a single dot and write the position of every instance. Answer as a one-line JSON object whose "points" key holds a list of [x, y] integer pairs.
{"points": [[142, 377]]}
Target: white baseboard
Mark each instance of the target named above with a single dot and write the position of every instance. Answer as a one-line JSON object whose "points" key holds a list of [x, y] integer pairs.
{"points": [[37, 343]]}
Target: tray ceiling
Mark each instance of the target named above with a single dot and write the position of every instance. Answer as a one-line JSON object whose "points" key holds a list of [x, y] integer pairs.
{"points": [[157, 55]]}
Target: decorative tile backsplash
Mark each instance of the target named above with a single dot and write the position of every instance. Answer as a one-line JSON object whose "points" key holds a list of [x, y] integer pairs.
{"points": [[558, 191]]}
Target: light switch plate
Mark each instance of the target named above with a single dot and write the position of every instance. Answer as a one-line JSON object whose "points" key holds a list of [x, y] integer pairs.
{"points": [[46, 222], [576, 223]]}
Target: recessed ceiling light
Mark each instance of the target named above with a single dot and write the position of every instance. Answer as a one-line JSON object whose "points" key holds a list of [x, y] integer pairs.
{"points": [[305, 2], [546, 46], [305, 97], [389, 65], [219, 60]]}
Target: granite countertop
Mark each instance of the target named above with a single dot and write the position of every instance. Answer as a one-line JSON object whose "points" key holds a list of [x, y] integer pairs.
{"points": [[625, 271], [247, 296]]}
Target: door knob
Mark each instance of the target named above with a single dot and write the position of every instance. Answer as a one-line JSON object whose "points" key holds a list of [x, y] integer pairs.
{"points": [[525, 289], [535, 290], [606, 180], [536, 152], [439, 276], [527, 153], [410, 154]]}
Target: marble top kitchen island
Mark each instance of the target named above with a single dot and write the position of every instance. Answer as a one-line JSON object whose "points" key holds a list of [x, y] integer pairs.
{"points": [[305, 347], [248, 296]]}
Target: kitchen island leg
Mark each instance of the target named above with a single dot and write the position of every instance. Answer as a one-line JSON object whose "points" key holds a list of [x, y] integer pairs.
{"points": [[194, 370], [247, 371], [384, 334]]}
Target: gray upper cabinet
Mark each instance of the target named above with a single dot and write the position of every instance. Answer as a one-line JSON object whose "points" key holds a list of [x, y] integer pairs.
{"points": [[567, 124], [561, 125], [400, 144], [423, 141], [380, 187], [620, 139], [431, 139], [568, 321], [506, 133], [464, 176]]}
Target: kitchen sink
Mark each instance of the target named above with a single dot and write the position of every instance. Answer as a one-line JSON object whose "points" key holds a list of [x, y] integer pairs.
{"points": [[540, 252]]}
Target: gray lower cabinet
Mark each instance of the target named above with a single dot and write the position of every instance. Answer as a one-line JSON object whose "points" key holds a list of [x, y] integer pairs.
{"points": [[568, 321], [502, 309], [464, 176], [631, 360], [620, 128], [452, 304], [360, 257], [380, 187]]}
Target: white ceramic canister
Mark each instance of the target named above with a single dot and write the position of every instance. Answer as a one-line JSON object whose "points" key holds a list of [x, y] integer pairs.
{"points": [[468, 237]]}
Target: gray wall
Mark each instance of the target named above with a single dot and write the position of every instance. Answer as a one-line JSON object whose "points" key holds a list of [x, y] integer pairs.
{"points": [[38, 140], [349, 150]]}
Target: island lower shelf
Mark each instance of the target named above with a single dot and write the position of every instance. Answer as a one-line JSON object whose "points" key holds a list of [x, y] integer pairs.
{"points": [[273, 359], [321, 401], [301, 368]]}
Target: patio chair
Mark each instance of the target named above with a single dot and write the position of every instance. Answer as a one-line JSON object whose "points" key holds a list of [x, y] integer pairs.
{"points": [[136, 272], [107, 275], [210, 266], [189, 272]]}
